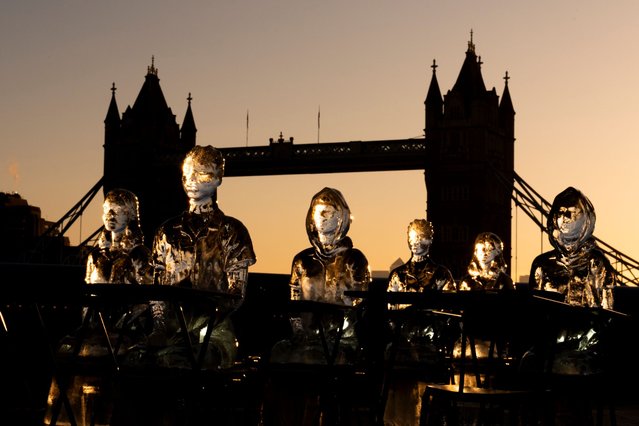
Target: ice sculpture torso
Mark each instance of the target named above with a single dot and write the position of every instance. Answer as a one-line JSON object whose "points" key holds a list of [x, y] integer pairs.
{"points": [[325, 279], [202, 248], [586, 280], [419, 276]]}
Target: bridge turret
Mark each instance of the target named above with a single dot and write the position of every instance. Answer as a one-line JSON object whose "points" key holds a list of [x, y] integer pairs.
{"points": [[112, 119], [188, 130], [464, 195], [434, 104], [112, 125], [146, 154], [506, 111]]}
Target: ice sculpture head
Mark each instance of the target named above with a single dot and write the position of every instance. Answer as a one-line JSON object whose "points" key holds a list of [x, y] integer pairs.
{"points": [[328, 219], [420, 237], [202, 172], [120, 208], [488, 248], [572, 220]]}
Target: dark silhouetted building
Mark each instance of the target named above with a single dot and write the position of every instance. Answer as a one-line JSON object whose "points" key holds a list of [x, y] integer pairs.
{"points": [[469, 165], [143, 152], [22, 227], [469, 138]]}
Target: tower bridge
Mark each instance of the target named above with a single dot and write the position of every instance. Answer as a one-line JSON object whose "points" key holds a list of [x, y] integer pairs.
{"points": [[467, 154], [284, 157], [468, 132]]}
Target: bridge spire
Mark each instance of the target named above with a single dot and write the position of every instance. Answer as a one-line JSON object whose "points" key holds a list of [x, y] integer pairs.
{"points": [[151, 70], [188, 129], [112, 119], [471, 44], [433, 103]]}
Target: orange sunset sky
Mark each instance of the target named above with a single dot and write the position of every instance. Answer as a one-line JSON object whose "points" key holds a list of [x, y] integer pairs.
{"points": [[364, 64]]}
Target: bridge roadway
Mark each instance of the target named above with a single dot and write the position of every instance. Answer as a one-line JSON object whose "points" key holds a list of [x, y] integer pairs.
{"points": [[283, 157]]}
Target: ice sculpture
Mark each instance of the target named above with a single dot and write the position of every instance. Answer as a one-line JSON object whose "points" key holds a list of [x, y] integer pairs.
{"points": [[487, 268], [120, 256], [580, 272], [424, 337], [204, 249], [320, 273], [323, 273]]}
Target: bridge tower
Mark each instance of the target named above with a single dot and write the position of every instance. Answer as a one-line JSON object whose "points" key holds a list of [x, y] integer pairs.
{"points": [[143, 152], [469, 141]]}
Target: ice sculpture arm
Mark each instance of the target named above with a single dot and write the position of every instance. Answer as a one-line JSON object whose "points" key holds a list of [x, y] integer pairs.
{"points": [[90, 270], [444, 280], [239, 255], [237, 278]]}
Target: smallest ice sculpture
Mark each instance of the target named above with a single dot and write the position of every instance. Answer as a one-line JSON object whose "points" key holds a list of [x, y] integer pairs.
{"points": [[420, 272], [487, 268], [424, 338]]}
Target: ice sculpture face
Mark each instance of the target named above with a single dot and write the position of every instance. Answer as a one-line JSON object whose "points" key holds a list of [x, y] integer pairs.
{"points": [[420, 237], [119, 210], [418, 243], [485, 252], [115, 216], [326, 219], [200, 180], [487, 256], [570, 220]]}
